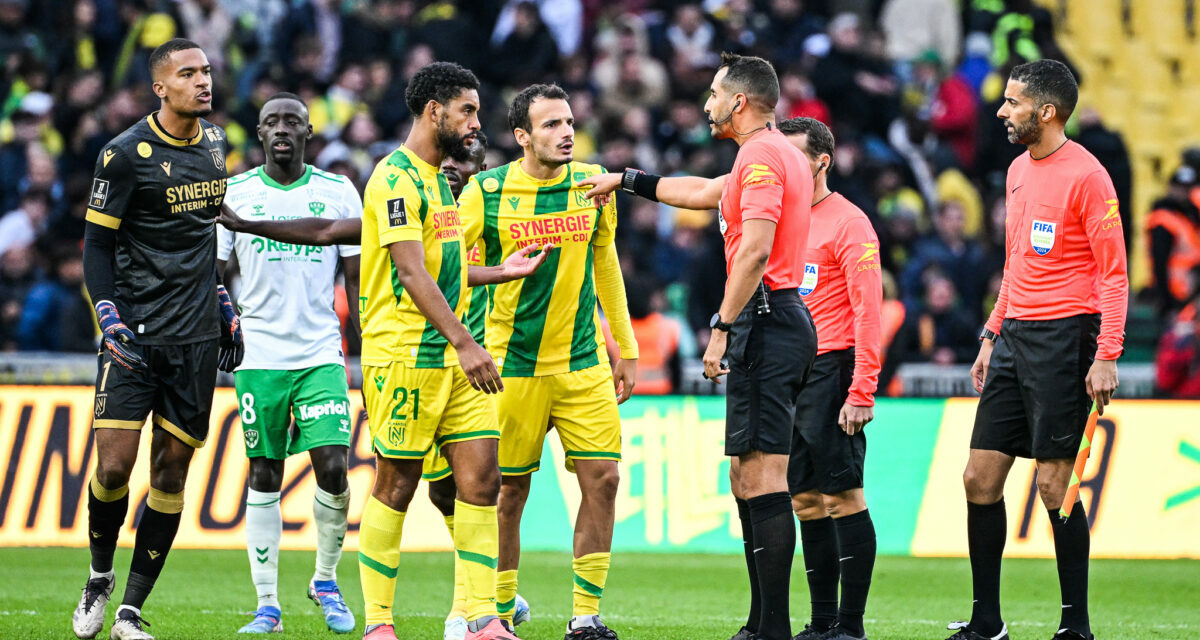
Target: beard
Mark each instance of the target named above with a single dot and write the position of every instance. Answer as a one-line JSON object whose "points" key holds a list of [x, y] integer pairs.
{"points": [[193, 112], [1026, 133], [451, 143]]}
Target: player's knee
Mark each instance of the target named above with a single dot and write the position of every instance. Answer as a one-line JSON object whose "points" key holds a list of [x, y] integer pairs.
{"points": [[1051, 490], [514, 491], [169, 481], [331, 474], [442, 494], [808, 506], [481, 486], [605, 481], [264, 476], [844, 504], [981, 487], [112, 474]]}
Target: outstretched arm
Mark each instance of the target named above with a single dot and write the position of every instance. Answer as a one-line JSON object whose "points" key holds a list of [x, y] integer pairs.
{"points": [[306, 231], [687, 192]]}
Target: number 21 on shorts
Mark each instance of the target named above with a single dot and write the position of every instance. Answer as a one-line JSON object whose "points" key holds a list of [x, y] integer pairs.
{"points": [[401, 412]]}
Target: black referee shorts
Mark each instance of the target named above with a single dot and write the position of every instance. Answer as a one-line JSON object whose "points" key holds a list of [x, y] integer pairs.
{"points": [[769, 358], [823, 456], [177, 386], [1034, 402]]}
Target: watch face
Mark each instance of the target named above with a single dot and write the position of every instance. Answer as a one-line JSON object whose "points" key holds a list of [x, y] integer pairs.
{"points": [[716, 318]]}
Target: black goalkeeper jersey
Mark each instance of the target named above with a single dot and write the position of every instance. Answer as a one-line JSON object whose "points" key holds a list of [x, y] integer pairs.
{"points": [[162, 195]]}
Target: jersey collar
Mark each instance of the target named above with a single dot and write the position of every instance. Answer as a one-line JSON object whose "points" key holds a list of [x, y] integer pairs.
{"points": [[271, 182], [170, 139], [566, 171]]}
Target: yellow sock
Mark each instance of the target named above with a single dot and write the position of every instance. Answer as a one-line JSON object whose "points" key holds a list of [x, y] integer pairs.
{"points": [[379, 558], [459, 608], [591, 572], [477, 543], [506, 593]]}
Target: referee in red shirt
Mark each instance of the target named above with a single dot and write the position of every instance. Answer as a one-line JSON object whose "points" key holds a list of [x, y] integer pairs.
{"points": [[1051, 344], [762, 326]]}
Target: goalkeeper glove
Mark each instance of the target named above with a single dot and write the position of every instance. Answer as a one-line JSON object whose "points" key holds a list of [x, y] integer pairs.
{"points": [[118, 339], [232, 347]]}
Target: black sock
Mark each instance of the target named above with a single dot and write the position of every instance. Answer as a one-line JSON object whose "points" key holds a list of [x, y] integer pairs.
{"points": [[819, 540], [1072, 542], [748, 545], [987, 529], [155, 534], [104, 525], [856, 554], [774, 547]]}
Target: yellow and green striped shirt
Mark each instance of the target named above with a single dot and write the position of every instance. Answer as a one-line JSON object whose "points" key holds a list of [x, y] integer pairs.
{"points": [[547, 323], [408, 199]]}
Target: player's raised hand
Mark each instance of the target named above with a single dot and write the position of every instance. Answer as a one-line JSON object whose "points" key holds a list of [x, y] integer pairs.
{"points": [[522, 263], [852, 419], [233, 348], [979, 369], [624, 377], [229, 219], [118, 339], [1101, 382], [479, 368], [601, 184]]}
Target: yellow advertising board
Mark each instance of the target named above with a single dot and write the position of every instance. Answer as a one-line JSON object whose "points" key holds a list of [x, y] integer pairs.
{"points": [[1141, 488], [47, 457]]}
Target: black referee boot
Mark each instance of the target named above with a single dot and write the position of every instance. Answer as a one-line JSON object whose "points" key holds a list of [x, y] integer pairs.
{"points": [[837, 632], [1068, 634], [964, 633]]}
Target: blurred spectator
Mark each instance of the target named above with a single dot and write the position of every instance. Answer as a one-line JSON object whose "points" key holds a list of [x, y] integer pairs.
{"points": [[950, 252], [860, 91], [939, 329], [1178, 361], [953, 107], [17, 276], [528, 53], [21, 226], [798, 99], [57, 315], [564, 18], [657, 337], [1174, 229], [329, 114], [209, 25], [790, 25], [625, 74], [1109, 149], [913, 27]]}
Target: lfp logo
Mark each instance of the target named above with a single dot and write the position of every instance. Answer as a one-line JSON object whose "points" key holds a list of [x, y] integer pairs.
{"points": [[1041, 236], [810, 279]]}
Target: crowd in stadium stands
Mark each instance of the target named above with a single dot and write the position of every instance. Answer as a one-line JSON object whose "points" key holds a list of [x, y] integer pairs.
{"points": [[910, 88]]}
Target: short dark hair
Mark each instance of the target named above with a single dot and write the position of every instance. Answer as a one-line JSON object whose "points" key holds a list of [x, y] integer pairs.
{"points": [[820, 138], [518, 112], [163, 53], [284, 95], [752, 76], [1049, 82], [440, 82]]}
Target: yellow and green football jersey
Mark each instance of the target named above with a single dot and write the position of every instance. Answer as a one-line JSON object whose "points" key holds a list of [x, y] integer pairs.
{"points": [[475, 311], [408, 199], [546, 323]]}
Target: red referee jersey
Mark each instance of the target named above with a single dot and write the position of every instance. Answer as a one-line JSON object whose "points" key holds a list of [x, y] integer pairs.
{"points": [[769, 177], [1066, 252], [843, 289]]}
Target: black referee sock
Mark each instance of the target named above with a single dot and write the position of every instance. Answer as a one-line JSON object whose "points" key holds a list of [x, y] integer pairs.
{"points": [[774, 547], [856, 554], [1072, 543], [987, 529], [155, 534], [819, 540], [105, 518], [748, 546]]}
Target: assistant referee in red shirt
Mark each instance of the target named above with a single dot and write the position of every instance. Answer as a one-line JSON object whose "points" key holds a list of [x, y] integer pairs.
{"points": [[1051, 344]]}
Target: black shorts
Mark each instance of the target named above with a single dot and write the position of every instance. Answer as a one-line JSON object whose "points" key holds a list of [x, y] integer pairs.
{"points": [[769, 358], [177, 387], [1034, 402], [823, 456]]}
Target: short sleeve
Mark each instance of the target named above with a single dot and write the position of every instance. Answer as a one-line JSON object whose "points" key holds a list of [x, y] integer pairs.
{"points": [[395, 201], [225, 239], [761, 184], [470, 212], [113, 183], [351, 207], [606, 225]]}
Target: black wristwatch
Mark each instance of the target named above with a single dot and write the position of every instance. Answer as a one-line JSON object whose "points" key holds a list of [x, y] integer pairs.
{"points": [[716, 323], [988, 334]]}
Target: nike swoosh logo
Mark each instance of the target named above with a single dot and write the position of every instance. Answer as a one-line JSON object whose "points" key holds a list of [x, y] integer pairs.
{"points": [[759, 549], [1061, 438], [845, 559], [737, 433], [1014, 189]]}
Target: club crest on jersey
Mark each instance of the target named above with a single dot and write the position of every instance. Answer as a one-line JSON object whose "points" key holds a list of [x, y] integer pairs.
{"points": [[101, 403], [811, 278], [397, 215], [218, 158], [317, 208], [99, 193], [395, 434], [1041, 236], [251, 438]]}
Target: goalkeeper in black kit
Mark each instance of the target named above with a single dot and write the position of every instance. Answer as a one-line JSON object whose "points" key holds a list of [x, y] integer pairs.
{"points": [[168, 324]]}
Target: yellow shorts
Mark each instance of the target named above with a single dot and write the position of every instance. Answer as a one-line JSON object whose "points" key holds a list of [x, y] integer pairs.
{"points": [[581, 405], [436, 466], [411, 410]]}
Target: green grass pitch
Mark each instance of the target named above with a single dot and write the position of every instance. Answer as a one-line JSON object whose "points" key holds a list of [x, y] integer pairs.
{"points": [[202, 595]]}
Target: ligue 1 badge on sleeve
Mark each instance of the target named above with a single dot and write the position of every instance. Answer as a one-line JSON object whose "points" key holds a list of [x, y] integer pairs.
{"points": [[1041, 236]]}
